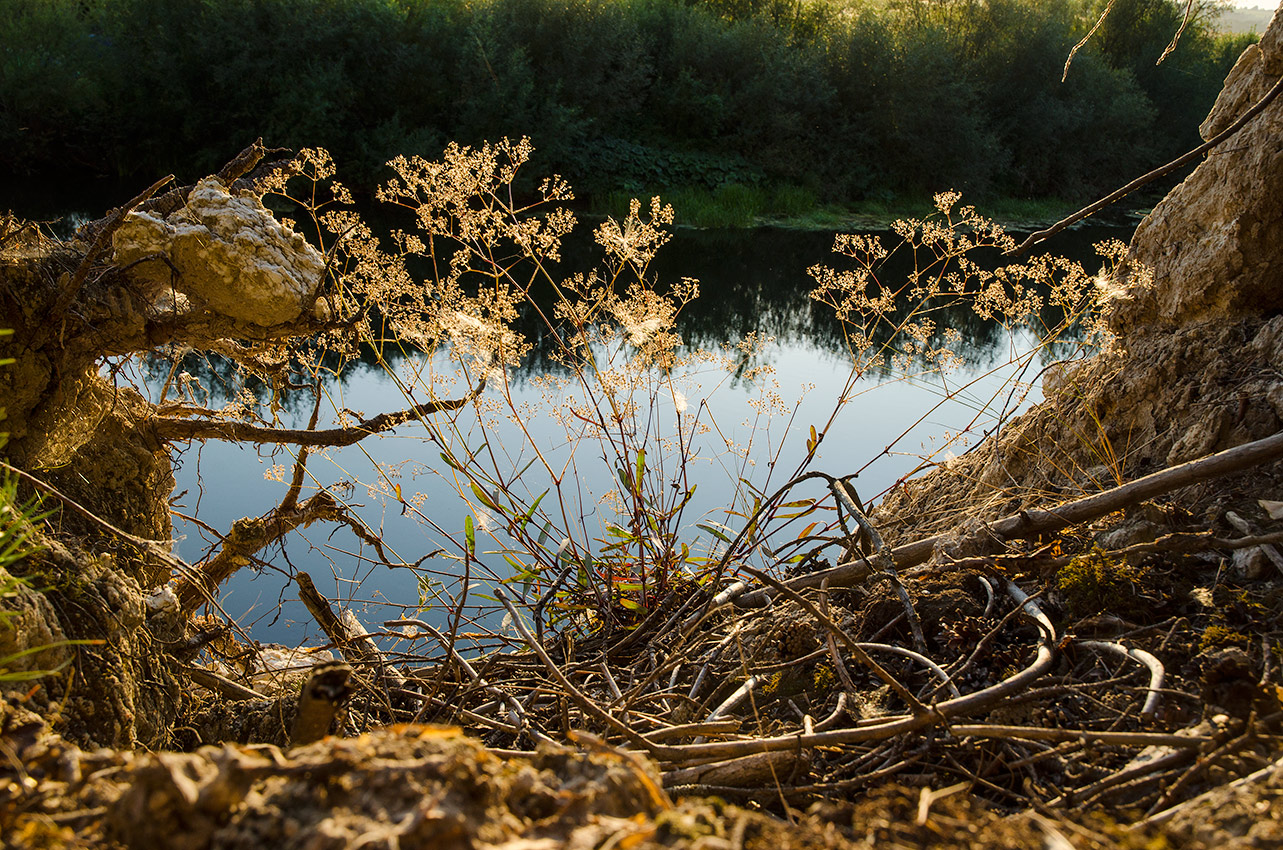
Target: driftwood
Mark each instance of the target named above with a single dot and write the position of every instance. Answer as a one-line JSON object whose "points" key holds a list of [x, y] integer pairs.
{"points": [[348, 636], [222, 685]]}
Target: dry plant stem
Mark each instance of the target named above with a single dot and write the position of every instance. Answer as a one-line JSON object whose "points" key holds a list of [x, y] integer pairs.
{"points": [[224, 686], [577, 695], [1155, 667], [915, 704], [1040, 521], [712, 657], [481, 719], [1189, 12], [1083, 43], [1180, 161]]}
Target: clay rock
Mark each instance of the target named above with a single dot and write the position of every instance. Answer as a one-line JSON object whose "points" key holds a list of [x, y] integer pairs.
{"points": [[225, 252], [1213, 243]]}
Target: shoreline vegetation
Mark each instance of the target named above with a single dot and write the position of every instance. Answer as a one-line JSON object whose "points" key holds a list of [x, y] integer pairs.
{"points": [[733, 109]]}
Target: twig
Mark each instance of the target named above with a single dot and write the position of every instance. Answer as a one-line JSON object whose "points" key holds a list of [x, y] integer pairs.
{"points": [[227, 688], [246, 537], [516, 713], [1081, 44], [96, 249], [1195, 802], [347, 634], [1201, 765], [843, 492], [915, 704], [715, 727], [1043, 733], [1153, 766], [168, 430], [1155, 669], [577, 695], [738, 696], [1189, 13], [918, 657]]}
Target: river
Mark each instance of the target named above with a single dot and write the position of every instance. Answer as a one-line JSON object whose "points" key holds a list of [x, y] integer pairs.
{"points": [[751, 282]]}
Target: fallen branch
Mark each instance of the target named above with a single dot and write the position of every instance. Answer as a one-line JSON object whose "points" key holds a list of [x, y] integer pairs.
{"points": [[1037, 522], [221, 685]]}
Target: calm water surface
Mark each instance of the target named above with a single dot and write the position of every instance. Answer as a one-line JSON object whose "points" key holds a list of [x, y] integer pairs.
{"points": [[751, 281]]}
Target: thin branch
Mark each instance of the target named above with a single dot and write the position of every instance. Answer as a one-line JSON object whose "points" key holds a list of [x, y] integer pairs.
{"points": [[246, 537], [169, 430], [1083, 43], [1162, 170], [1154, 666], [1189, 13]]}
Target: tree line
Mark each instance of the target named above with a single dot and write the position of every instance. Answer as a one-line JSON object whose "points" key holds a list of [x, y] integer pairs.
{"points": [[842, 99]]}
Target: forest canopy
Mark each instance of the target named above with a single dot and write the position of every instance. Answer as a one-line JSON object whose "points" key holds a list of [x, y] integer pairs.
{"points": [[842, 99]]}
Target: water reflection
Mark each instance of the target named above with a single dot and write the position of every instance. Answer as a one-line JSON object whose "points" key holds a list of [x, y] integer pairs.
{"points": [[751, 282]]}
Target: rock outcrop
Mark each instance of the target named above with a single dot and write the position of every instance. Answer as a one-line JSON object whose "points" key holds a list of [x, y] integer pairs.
{"points": [[223, 251]]}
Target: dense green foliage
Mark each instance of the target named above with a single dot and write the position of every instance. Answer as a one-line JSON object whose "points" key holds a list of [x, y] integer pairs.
{"points": [[842, 101]]}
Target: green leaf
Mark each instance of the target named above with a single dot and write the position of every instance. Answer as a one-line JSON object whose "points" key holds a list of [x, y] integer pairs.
{"points": [[470, 536], [525, 518], [484, 498], [709, 527]]}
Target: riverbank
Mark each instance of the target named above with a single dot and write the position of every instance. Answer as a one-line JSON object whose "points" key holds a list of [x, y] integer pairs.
{"points": [[1069, 635]]}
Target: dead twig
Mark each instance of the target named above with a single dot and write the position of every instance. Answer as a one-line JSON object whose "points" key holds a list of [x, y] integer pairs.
{"points": [[1154, 666]]}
